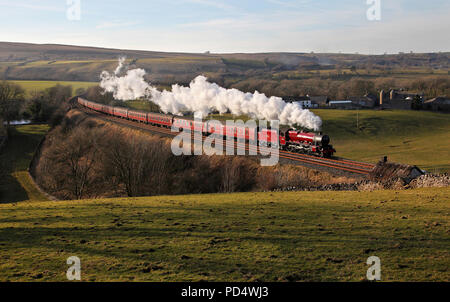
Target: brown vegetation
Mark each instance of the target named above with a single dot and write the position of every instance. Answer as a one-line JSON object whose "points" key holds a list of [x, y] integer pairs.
{"points": [[431, 181], [86, 158], [344, 87], [423, 181], [11, 98]]}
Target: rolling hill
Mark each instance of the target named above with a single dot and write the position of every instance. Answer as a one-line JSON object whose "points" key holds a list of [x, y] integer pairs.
{"points": [[22, 61]]}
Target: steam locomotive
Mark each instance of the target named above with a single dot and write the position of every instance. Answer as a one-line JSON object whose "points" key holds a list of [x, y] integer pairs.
{"points": [[306, 142], [289, 140]]}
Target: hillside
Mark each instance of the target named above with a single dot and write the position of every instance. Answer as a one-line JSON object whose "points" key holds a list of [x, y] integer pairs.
{"points": [[283, 74], [296, 236]]}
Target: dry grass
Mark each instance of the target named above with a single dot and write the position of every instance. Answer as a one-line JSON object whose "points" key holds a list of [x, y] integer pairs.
{"points": [[431, 181]]}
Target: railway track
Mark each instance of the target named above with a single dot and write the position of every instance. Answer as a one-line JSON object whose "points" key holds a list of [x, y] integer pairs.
{"points": [[341, 165]]}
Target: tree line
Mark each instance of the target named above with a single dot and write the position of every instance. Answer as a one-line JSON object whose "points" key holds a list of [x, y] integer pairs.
{"points": [[40, 106], [340, 88]]}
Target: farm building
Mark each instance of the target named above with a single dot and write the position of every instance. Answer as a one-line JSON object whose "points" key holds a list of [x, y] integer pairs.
{"points": [[341, 104], [367, 101], [397, 99], [321, 100], [387, 171], [437, 104], [304, 101]]}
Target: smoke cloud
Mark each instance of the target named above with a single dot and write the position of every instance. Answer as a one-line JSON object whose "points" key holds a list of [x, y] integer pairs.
{"points": [[205, 97]]}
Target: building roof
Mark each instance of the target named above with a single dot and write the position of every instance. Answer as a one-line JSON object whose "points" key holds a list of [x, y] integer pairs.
{"points": [[296, 98], [319, 98], [360, 98], [389, 170], [340, 102], [438, 100]]}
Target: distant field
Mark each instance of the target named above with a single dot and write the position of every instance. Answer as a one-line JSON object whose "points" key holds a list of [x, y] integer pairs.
{"points": [[16, 155], [291, 236], [412, 137], [33, 86]]}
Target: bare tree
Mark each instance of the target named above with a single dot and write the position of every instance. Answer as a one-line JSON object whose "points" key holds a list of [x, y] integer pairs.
{"points": [[124, 160], [74, 161], [237, 174], [11, 96], [140, 163]]}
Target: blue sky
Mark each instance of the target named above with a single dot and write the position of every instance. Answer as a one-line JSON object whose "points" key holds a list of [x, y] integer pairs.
{"points": [[233, 26]]}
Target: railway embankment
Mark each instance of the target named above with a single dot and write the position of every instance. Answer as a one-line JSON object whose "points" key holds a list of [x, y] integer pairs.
{"points": [[88, 157], [336, 166]]}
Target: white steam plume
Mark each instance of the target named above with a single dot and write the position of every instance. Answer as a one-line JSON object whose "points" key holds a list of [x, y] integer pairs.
{"points": [[203, 96], [121, 66]]}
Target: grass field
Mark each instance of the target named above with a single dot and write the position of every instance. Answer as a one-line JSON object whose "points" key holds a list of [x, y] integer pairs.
{"points": [[15, 157], [35, 86], [412, 137], [289, 236]]}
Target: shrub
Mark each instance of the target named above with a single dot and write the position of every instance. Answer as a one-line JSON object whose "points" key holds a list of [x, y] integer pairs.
{"points": [[431, 181]]}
